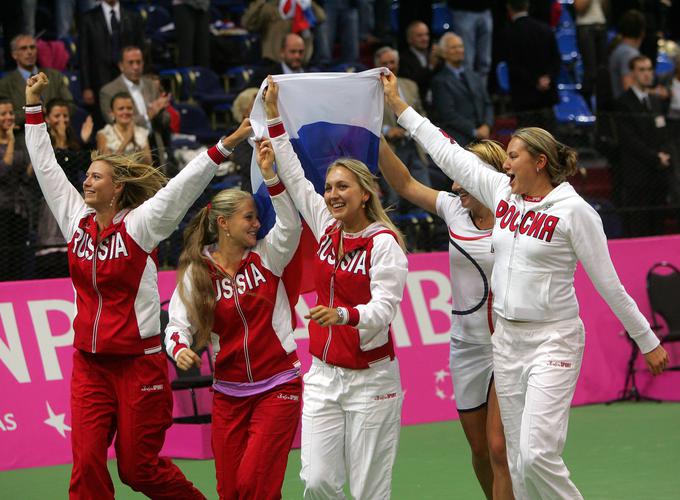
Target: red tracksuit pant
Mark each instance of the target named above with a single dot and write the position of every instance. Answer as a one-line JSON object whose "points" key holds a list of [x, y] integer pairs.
{"points": [[251, 438], [128, 397]]}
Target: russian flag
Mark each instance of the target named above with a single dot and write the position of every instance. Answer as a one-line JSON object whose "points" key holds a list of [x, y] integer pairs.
{"points": [[328, 116], [300, 11]]}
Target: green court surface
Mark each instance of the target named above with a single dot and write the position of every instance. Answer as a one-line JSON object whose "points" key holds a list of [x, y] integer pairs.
{"points": [[618, 452]]}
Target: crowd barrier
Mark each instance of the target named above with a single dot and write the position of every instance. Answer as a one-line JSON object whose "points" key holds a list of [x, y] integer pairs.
{"points": [[36, 353]]}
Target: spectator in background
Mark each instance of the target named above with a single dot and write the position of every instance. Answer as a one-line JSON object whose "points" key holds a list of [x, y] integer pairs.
{"points": [[342, 22], [399, 140], [149, 105], [418, 60], [102, 33], [473, 22], [292, 60], [461, 105], [122, 136], [192, 21], [13, 84], [533, 65], [591, 29], [674, 129], [65, 14], [70, 150], [14, 172], [642, 175], [263, 17], [626, 46]]}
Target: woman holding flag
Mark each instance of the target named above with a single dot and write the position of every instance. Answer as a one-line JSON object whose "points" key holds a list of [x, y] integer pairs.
{"points": [[352, 393], [471, 358], [542, 228], [230, 283]]}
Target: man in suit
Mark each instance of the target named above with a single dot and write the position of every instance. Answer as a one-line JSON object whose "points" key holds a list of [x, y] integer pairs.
{"points": [[533, 65], [150, 106], [418, 61], [398, 138], [13, 84], [641, 178], [292, 57], [103, 32], [461, 105]]}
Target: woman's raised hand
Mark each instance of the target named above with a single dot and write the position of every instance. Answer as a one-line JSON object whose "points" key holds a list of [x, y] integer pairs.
{"points": [[34, 87], [239, 135], [265, 158], [392, 96], [271, 98]]}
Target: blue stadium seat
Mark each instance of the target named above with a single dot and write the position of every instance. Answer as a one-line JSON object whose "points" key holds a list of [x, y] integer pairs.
{"points": [[664, 64], [503, 76], [394, 17], [73, 79], [194, 121], [238, 78], [567, 45], [442, 21], [573, 108]]}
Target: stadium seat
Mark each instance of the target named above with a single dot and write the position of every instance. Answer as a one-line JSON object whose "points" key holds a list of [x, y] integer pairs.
{"points": [[442, 21], [238, 78], [663, 290], [394, 17], [72, 78], [503, 76], [205, 86], [573, 108], [193, 121], [567, 45], [664, 64], [189, 380]]}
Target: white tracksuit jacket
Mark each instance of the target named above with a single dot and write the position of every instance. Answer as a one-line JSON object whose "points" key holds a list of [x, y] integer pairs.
{"points": [[536, 249]]}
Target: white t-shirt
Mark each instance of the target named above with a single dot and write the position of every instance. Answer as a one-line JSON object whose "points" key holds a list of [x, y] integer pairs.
{"points": [[471, 261]]}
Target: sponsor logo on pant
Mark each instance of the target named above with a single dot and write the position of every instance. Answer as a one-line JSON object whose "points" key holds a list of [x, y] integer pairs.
{"points": [[151, 388], [560, 364], [290, 397], [381, 397]]}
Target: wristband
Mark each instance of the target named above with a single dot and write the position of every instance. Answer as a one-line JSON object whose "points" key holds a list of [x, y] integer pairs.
{"points": [[222, 148]]}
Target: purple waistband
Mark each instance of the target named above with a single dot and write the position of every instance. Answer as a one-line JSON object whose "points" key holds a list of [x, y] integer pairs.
{"points": [[244, 389]]}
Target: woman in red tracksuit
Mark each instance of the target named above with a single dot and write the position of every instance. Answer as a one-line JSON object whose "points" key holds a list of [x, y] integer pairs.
{"points": [[230, 283], [352, 393], [119, 383]]}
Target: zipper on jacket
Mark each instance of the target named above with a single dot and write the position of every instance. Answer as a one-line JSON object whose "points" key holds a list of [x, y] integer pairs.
{"points": [[330, 328], [95, 326], [245, 335], [512, 251]]}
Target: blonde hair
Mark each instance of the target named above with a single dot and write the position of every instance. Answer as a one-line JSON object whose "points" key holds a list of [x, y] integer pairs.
{"points": [[561, 159], [243, 103], [140, 180], [490, 152], [368, 182], [201, 231]]}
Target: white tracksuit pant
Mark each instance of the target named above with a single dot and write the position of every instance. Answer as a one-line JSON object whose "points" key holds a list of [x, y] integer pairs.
{"points": [[536, 366], [351, 421]]}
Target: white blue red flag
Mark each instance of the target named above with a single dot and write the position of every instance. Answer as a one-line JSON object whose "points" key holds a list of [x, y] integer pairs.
{"points": [[299, 12], [328, 116]]}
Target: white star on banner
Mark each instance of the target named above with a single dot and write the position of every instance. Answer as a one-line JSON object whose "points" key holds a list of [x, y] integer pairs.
{"points": [[56, 420], [440, 375], [440, 394]]}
